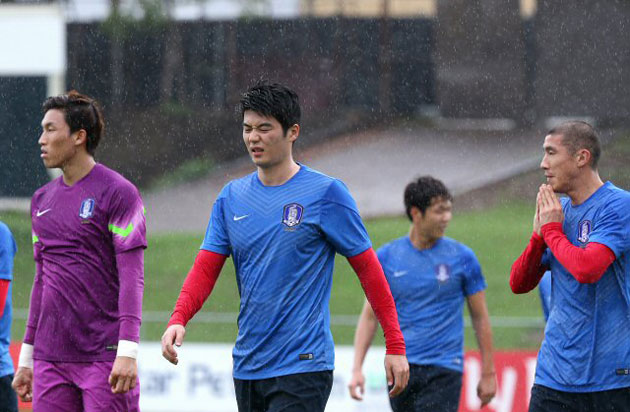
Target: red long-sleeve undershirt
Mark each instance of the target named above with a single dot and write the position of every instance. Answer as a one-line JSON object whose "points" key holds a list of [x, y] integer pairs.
{"points": [[586, 265], [527, 269], [376, 288], [4, 292], [205, 272], [197, 286]]}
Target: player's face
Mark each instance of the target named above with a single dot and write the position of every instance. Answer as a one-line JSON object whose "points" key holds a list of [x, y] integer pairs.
{"points": [[56, 142], [436, 218], [265, 140], [559, 165]]}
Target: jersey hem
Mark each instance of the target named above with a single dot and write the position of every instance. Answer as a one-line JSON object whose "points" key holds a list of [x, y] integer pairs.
{"points": [[583, 389], [257, 376], [459, 369]]}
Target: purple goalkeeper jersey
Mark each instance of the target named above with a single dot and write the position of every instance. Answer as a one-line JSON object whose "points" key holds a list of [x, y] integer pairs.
{"points": [[77, 232]]}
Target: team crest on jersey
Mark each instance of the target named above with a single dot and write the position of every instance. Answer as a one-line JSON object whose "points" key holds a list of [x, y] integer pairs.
{"points": [[584, 229], [87, 209], [442, 272], [292, 214]]}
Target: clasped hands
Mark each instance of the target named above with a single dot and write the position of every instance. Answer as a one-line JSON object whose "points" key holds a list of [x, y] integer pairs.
{"points": [[548, 208]]}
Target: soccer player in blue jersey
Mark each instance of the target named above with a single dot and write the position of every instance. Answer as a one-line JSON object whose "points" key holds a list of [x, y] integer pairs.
{"points": [[430, 277], [8, 249], [282, 225], [584, 239]]}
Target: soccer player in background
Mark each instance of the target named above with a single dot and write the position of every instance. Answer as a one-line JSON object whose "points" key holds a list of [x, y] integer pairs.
{"points": [[430, 276], [282, 225], [584, 239], [8, 249], [81, 340]]}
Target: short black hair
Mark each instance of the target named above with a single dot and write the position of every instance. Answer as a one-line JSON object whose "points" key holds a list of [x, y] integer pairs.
{"points": [[81, 112], [272, 100], [577, 135], [421, 192]]}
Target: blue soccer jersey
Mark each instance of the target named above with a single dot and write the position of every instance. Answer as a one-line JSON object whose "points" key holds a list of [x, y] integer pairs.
{"points": [[429, 287], [587, 338], [544, 290], [283, 240], [7, 253]]}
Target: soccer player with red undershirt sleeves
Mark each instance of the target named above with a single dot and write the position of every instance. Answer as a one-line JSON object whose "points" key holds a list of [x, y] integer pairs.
{"points": [[80, 345], [282, 225], [584, 239]]}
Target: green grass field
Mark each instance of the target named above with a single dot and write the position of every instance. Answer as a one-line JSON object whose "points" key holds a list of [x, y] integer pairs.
{"points": [[497, 235]]}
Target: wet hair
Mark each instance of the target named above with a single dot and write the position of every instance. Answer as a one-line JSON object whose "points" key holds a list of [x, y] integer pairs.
{"points": [[421, 192], [577, 135], [81, 112], [272, 100]]}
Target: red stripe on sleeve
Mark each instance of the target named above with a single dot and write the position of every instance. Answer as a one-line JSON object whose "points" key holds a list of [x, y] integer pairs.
{"points": [[586, 265], [374, 283], [197, 286], [527, 270]]}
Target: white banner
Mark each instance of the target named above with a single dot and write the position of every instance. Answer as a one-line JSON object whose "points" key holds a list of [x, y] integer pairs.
{"points": [[32, 40], [202, 381]]}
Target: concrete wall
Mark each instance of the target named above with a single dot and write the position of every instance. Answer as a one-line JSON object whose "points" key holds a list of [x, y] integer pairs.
{"points": [[480, 59], [583, 59]]}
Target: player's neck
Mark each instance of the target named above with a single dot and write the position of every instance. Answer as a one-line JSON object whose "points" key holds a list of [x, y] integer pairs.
{"points": [[278, 174], [421, 241], [585, 187], [77, 168]]}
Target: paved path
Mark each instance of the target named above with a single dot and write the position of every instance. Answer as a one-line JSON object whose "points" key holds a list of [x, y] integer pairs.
{"points": [[376, 166]]}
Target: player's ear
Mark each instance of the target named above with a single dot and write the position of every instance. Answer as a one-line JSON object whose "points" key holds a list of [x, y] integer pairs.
{"points": [[79, 137], [415, 213], [293, 132], [583, 157]]}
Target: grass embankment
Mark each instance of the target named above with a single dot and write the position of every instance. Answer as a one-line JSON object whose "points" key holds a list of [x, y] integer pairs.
{"points": [[497, 235], [495, 222]]}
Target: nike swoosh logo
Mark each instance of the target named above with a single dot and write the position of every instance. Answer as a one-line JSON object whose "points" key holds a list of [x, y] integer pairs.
{"points": [[237, 218], [400, 273], [43, 212]]}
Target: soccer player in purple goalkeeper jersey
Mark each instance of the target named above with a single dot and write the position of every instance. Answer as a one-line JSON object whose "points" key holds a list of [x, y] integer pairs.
{"points": [[81, 340]]}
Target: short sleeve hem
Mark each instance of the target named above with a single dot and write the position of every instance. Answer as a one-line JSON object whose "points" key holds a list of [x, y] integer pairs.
{"points": [[357, 250], [216, 249], [477, 289]]}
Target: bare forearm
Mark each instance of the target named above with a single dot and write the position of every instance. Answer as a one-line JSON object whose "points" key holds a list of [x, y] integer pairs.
{"points": [[363, 336], [483, 333]]}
